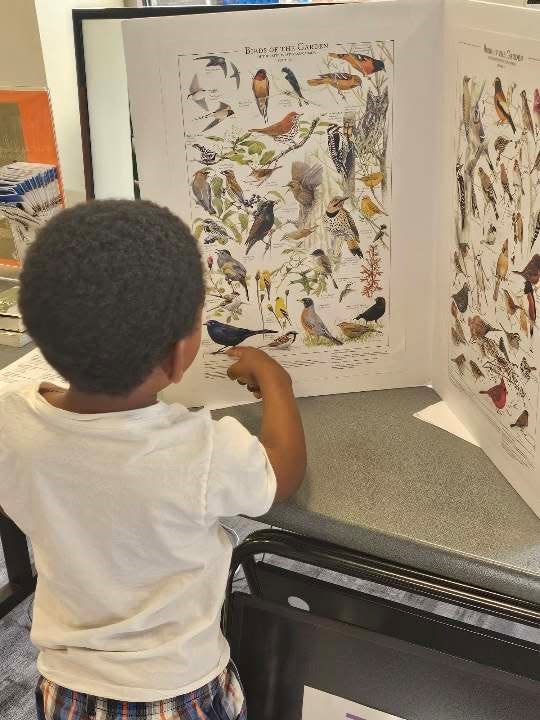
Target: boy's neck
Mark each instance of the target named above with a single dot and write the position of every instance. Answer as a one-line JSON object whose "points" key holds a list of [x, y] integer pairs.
{"points": [[74, 400]]}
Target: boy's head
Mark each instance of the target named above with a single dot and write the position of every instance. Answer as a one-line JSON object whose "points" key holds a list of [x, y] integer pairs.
{"points": [[107, 291]]}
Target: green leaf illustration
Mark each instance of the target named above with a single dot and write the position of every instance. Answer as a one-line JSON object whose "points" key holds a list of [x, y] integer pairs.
{"points": [[244, 220], [198, 232], [215, 138], [266, 157]]}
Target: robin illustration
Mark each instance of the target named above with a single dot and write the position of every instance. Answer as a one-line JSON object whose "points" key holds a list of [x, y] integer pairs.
{"points": [[281, 312], [461, 298], [291, 78], [215, 61], [283, 342], [501, 106], [353, 331], [466, 105], [488, 190], [517, 222], [522, 422], [261, 174], [363, 63], [526, 369], [498, 394], [501, 269], [219, 115], [235, 75], [305, 179], [207, 156], [479, 328], [531, 304], [339, 81], [476, 372], [501, 143], [341, 226], [460, 361], [323, 265], [283, 131], [341, 149], [229, 335], [505, 183], [536, 108], [375, 312], [312, 323], [526, 114], [197, 94], [261, 91], [232, 269], [512, 338], [202, 191], [531, 271], [232, 187], [511, 306], [263, 223]]}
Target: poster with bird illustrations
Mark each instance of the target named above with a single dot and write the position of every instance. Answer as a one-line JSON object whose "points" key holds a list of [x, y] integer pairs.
{"points": [[288, 151], [494, 337]]}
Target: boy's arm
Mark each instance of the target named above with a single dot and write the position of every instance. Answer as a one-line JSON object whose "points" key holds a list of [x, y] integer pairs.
{"points": [[281, 434]]}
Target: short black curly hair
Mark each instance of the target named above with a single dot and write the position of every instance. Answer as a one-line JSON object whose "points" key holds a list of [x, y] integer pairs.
{"points": [[106, 290]]}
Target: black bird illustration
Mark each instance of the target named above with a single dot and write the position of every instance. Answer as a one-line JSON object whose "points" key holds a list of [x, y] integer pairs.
{"points": [[229, 335], [215, 61], [290, 77], [262, 224], [235, 74], [221, 113], [461, 298], [375, 312]]}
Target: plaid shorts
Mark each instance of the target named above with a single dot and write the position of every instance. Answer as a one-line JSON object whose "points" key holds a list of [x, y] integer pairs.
{"points": [[222, 699]]}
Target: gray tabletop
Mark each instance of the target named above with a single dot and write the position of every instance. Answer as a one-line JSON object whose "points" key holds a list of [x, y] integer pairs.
{"points": [[386, 484]]}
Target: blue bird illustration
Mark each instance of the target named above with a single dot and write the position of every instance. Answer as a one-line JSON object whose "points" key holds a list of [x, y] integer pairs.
{"points": [[229, 335], [293, 82]]}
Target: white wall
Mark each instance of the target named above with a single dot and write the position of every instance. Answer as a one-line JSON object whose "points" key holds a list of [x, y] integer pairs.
{"points": [[21, 61], [56, 31]]}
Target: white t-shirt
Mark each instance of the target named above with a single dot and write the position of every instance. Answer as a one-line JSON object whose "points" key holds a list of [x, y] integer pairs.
{"points": [[122, 510]]}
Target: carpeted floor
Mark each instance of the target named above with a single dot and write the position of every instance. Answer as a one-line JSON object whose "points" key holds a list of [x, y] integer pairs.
{"points": [[17, 656]]}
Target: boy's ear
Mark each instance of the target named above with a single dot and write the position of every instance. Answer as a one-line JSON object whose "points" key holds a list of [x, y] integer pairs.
{"points": [[177, 365]]}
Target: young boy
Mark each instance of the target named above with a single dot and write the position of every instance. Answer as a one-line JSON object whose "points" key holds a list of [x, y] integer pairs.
{"points": [[120, 493]]}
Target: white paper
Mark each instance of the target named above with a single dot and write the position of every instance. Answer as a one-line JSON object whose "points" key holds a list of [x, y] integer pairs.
{"points": [[319, 705], [165, 74], [440, 415], [31, 368]]}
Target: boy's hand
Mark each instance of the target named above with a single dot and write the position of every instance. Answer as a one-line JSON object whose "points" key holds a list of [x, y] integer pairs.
{"points": [[256, 369]]}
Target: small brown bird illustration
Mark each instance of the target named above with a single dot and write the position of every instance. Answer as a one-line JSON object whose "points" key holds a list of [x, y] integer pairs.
{"points": [[476, 372], [526, 369], [466, 105], [339, 81], [531, 304], [305, 179], [501, 143], [461, 298], [323, 265], [261, 174], [501, 106], [261, 91], [232, 187], [498, 394], [512, 338], [518, 179], [458, 329], [479, 328], [458, 265], [522, 421], [283, 342], [202, 190], [536, 108], [531, 271], [501, 270], [341, 225], [488, 190], [505, 183], [372, 181], [283, 131], [491, 235], [523, 321], [355, 330], [363, 63], [312, 323], [460, 361], [526, 114], [511, 306], [300, 234], [517, 222], [456, 338]]}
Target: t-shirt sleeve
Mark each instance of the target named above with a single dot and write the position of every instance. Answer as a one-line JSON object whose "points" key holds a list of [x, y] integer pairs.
{"points": [[241, 480]]}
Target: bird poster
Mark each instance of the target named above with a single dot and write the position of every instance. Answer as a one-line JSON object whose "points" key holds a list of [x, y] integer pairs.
{"points": [[494, 348], [319, 705]]}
